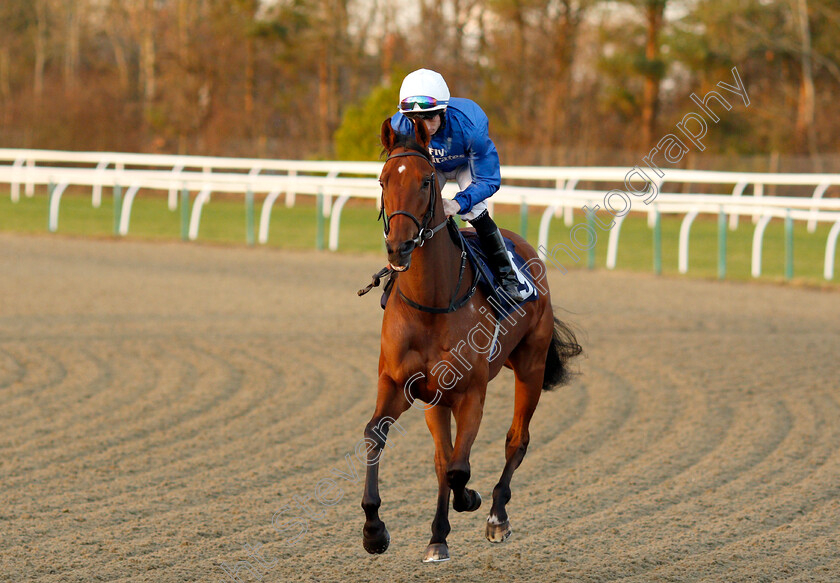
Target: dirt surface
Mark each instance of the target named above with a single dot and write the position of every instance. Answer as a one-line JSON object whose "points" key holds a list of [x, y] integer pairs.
{"points": [[159, 403]]}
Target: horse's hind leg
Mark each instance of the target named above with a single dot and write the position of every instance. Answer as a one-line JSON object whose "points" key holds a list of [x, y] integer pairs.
{"points": [[529, 367], [439, 420]]}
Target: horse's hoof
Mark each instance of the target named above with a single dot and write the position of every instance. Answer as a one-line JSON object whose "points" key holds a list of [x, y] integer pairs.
{"points": [[378, 544], [436, 553], [497, 532], [473, 503]]}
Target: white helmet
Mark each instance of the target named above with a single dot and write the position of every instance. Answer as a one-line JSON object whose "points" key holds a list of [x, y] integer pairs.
{"points": [[423, 91]]}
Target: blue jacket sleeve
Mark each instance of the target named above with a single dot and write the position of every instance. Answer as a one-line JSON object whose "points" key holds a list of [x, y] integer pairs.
{"points": [[484, 166]]}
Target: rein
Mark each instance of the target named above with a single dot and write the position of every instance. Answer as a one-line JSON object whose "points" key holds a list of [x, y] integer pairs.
{"points": [[424, 234]]}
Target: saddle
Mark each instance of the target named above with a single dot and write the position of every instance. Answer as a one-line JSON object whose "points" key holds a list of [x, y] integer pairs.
{"points": [[499, 300]]}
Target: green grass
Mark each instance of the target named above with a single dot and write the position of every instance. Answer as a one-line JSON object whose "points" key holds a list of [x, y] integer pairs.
{"points": [[224, 221], [635, 249]]}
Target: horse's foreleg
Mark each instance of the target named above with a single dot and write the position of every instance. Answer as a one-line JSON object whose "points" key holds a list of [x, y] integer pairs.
{"points": [[439, 420], [468, 411], [528, 389], [390, 404]]}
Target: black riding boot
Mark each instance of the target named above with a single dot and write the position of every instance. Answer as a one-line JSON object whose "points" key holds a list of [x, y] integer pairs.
{"points": [[494, 246]]}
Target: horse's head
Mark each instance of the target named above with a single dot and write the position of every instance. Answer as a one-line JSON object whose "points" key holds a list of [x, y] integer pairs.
{"points": [[409, 193]]}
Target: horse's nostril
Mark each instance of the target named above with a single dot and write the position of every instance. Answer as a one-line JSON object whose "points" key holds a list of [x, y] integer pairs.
{"points": [[407, 247]]}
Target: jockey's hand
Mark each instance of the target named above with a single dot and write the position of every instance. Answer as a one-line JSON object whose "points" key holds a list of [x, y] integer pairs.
{"points": [[450, 207]]}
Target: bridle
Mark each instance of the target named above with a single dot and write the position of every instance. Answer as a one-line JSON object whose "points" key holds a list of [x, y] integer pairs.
{"points": [[424, 233]]}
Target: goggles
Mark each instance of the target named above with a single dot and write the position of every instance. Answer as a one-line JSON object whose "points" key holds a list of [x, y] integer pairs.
{"points": [[421, 103]]}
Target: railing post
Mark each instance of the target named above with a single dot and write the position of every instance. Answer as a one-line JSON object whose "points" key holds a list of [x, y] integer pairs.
{"points": [[15, 184], [830, 251], [30, 183], [249, 216], [290, 193], [721, 244], [50, 191], [185, 213], [758, 238], [117, 208], [612, 242], [96, 195], [590, 257], [319, 220], [568, 210], [657, 241], [788, 245], [685, 232], [201, 199], [172, 199], [335, 220]]}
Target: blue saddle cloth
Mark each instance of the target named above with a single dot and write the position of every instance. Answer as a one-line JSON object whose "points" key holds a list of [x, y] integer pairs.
{"points": [[500, 301], [502, 305]]}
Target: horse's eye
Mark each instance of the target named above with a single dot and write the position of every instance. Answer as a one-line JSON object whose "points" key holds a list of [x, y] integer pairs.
{"points": [[427, 181]]}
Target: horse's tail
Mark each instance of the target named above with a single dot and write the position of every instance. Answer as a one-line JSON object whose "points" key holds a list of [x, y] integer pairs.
{"points": [[563, 348]]}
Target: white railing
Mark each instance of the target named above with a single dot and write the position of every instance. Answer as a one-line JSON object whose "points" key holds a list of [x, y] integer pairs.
{"points": [[334, 183]]}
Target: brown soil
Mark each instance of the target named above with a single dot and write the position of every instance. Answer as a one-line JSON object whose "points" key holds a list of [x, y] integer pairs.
{"points": [[160, 402]]}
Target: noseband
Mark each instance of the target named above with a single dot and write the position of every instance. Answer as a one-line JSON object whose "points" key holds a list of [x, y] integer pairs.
{"points": [[424, 233]]}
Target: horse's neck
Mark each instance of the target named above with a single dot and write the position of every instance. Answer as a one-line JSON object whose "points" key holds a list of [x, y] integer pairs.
{"points": [[433, 274]]}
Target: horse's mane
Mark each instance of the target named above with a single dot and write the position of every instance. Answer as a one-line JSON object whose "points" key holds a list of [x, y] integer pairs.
{"points": [[408, 142]]}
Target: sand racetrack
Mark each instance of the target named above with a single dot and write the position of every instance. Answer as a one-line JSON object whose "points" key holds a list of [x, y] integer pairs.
{"points": [[160, 402]]}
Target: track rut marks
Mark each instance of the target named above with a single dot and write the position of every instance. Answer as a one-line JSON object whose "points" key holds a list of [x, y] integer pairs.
{"points": [[148, 432]]}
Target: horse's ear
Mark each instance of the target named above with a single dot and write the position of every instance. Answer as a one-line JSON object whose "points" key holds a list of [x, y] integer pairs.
{"points": [[386, 135], [421, 133]]}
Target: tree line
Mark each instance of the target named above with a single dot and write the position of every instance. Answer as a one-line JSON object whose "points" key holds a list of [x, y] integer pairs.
{"points": [[315, 78]]}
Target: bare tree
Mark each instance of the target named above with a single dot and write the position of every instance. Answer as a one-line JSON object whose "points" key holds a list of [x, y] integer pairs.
{"points": [[41, 13], [806, 135], [148, 59], [116, 30], [654, 13], [73, 12]]}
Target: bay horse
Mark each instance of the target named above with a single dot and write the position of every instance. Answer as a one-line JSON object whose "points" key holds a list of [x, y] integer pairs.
{"points": [[432, 312]]}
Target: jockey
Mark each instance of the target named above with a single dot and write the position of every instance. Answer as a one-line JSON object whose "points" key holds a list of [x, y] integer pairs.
{"points": [[461, 149]]}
